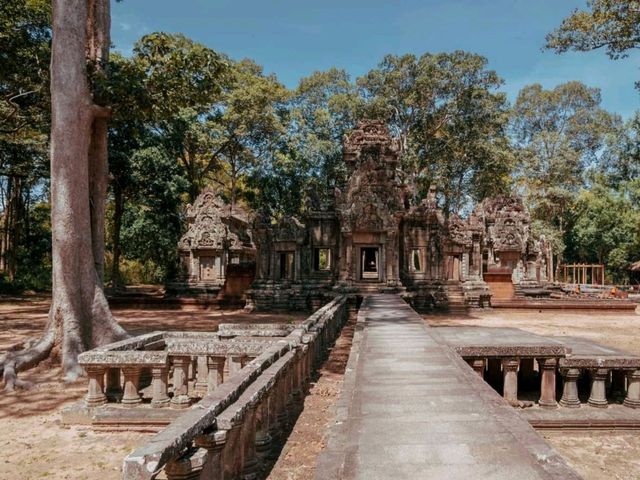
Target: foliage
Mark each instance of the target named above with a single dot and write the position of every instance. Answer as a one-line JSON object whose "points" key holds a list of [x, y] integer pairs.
{"points": [[450, 119], [610, 24], [606, 229], [152, 224]]}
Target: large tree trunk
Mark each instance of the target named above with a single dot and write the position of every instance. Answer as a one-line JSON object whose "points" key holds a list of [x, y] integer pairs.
{"points": [[79, 318]]}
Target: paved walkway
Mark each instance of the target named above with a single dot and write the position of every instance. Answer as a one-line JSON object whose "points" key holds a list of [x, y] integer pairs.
{"points": [[411, 408]]}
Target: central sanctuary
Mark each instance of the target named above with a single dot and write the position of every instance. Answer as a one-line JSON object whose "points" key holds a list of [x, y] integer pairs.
{"points": [[377, 237]]}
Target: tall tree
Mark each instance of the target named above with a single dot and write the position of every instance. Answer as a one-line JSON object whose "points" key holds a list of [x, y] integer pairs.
{"points": [[245, 126], [610, 24], [450, 119], [25, 33], [559, 135], [79, 317]]}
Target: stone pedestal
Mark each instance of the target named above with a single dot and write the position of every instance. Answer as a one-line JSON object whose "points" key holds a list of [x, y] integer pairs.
{"points": [[159, 381], [95, 393], [131, 395], [570, 397], [510, 384], [632, 399], [598, 396], [180, 383], [547, 367], [215, 368]]}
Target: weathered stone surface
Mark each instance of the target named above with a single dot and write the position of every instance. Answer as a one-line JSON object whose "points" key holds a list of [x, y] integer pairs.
{"points": [[377, 235], [430, 416], [226, 405]]}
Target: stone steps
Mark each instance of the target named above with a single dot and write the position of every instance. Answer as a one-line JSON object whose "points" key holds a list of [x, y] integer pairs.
{"points": [[457, 299]]}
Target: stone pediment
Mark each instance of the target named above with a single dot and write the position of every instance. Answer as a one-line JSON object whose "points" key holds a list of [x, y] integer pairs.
{"points": [[213, 226]]}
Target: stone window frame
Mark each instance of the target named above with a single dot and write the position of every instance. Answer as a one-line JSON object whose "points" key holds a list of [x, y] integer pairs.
{"points": [[420, 257], [285, 274], [316, 259]]}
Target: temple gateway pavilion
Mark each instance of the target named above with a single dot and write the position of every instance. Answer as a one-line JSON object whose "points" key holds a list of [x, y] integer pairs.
{"points": [[375, 237]]}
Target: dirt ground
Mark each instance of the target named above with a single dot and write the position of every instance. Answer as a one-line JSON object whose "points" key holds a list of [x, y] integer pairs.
{"points": [[298, 458], [34, 444], [611, 455]]}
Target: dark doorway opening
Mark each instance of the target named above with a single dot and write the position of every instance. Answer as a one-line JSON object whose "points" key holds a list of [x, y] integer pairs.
{"points": [[370, 263]]}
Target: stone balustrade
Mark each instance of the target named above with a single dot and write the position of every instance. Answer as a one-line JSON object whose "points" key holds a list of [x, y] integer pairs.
{"points": [[608, 377], [238, 427], [172, 369]]}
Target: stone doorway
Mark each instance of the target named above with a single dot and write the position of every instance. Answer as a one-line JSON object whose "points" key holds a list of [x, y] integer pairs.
{"points": [[370, 263]]}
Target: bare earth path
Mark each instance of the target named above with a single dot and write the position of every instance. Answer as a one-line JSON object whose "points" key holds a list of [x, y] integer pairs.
{"points": [[33, 444]]}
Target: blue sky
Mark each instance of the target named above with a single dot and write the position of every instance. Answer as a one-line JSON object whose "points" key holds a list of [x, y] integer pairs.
{"points": [[293, 38]]}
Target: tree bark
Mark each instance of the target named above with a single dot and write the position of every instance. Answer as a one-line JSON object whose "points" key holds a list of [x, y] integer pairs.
{"points": [[79, 318]]}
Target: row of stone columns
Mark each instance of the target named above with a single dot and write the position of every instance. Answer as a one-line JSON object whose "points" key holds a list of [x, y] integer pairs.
{"points": [[208, 372], [509, 367], [598, 393], [248, 448]]}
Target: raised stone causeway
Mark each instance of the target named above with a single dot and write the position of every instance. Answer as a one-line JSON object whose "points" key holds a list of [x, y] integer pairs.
{"points": [[411, 407]]}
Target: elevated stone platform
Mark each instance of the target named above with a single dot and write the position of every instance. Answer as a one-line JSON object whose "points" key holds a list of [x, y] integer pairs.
{"points": [[411, 407], [562, 304]]}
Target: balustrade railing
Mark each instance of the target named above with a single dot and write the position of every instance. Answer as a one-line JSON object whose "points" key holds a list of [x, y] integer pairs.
{"points": [[239, 425]]}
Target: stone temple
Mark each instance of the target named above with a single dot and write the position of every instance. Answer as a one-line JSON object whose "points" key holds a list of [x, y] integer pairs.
{"points": [[377, 237]]}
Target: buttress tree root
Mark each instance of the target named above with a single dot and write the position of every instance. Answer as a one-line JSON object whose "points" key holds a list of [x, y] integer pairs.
{"points": [[79, 318]]}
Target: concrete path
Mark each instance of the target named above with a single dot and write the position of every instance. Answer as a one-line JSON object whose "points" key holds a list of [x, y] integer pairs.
{"points": [[411, 408]]}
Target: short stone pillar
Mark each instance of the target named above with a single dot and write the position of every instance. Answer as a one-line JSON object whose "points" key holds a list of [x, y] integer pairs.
{"points": [[214, 443], [510, 384], [272, 413], [95, 393], [202, 374], [131, 395], [232, 455], [250, 465], [114, 388], [478, 365], [632, 399], [598, 396], [215, 369], [188, 467], [180, 383], [282, 418], [159, 380], [263, 438], [570, 397], [547, 368]]}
